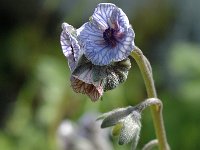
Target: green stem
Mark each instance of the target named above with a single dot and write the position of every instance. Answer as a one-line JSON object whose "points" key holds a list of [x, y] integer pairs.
{"points": [[156, 110], [150, 145]]}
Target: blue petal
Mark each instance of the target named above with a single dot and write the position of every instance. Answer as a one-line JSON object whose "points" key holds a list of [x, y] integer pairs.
{"points": [[108, 15], [124, 46], [96, 49], [102, 15], [99, 52], [89, 32], [69, 44], [121, 18]]}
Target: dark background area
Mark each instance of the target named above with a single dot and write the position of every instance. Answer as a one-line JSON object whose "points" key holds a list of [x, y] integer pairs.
{"points": [[35, 93]]}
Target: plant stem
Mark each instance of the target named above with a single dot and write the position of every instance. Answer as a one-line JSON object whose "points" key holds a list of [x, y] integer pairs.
{"points": [[156, 110], [147, 103], [150, 145]]}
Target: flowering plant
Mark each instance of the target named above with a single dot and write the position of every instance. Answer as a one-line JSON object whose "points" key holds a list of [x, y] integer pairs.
{"points": [[98, 56]]}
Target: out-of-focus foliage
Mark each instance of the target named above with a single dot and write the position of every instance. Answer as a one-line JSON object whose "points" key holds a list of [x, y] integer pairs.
{"points": [[35, 93]]}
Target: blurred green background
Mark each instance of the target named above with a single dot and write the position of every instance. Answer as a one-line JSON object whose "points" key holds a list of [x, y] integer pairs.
{"points": [[35, 93]]}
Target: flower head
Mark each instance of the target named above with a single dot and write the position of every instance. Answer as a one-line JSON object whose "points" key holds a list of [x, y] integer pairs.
{"points": [[108, 37], [98, 52]]}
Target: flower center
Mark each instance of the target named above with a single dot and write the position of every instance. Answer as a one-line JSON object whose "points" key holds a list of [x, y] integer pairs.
{"points": [[109, 36]]}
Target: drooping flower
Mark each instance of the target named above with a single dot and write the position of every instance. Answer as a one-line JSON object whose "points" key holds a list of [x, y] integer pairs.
{"points": [[72, 51], [108, 37], [111, 64]]}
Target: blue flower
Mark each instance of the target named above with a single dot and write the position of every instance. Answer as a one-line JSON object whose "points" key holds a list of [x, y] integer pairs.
{"points": [[108, 37], [91, 49], [70, 46]]}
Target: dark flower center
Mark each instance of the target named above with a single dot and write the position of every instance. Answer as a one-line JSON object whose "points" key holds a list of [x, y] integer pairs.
{"points": [[109, 36]]}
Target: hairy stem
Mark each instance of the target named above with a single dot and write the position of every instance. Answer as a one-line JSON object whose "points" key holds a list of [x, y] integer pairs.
{"points": [[151, 144], [156, 110], [147, 103]]}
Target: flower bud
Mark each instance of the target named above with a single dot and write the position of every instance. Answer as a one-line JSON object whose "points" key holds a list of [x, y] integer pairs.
{"points": [[131, 129], [126, 122], [113, 117]]}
